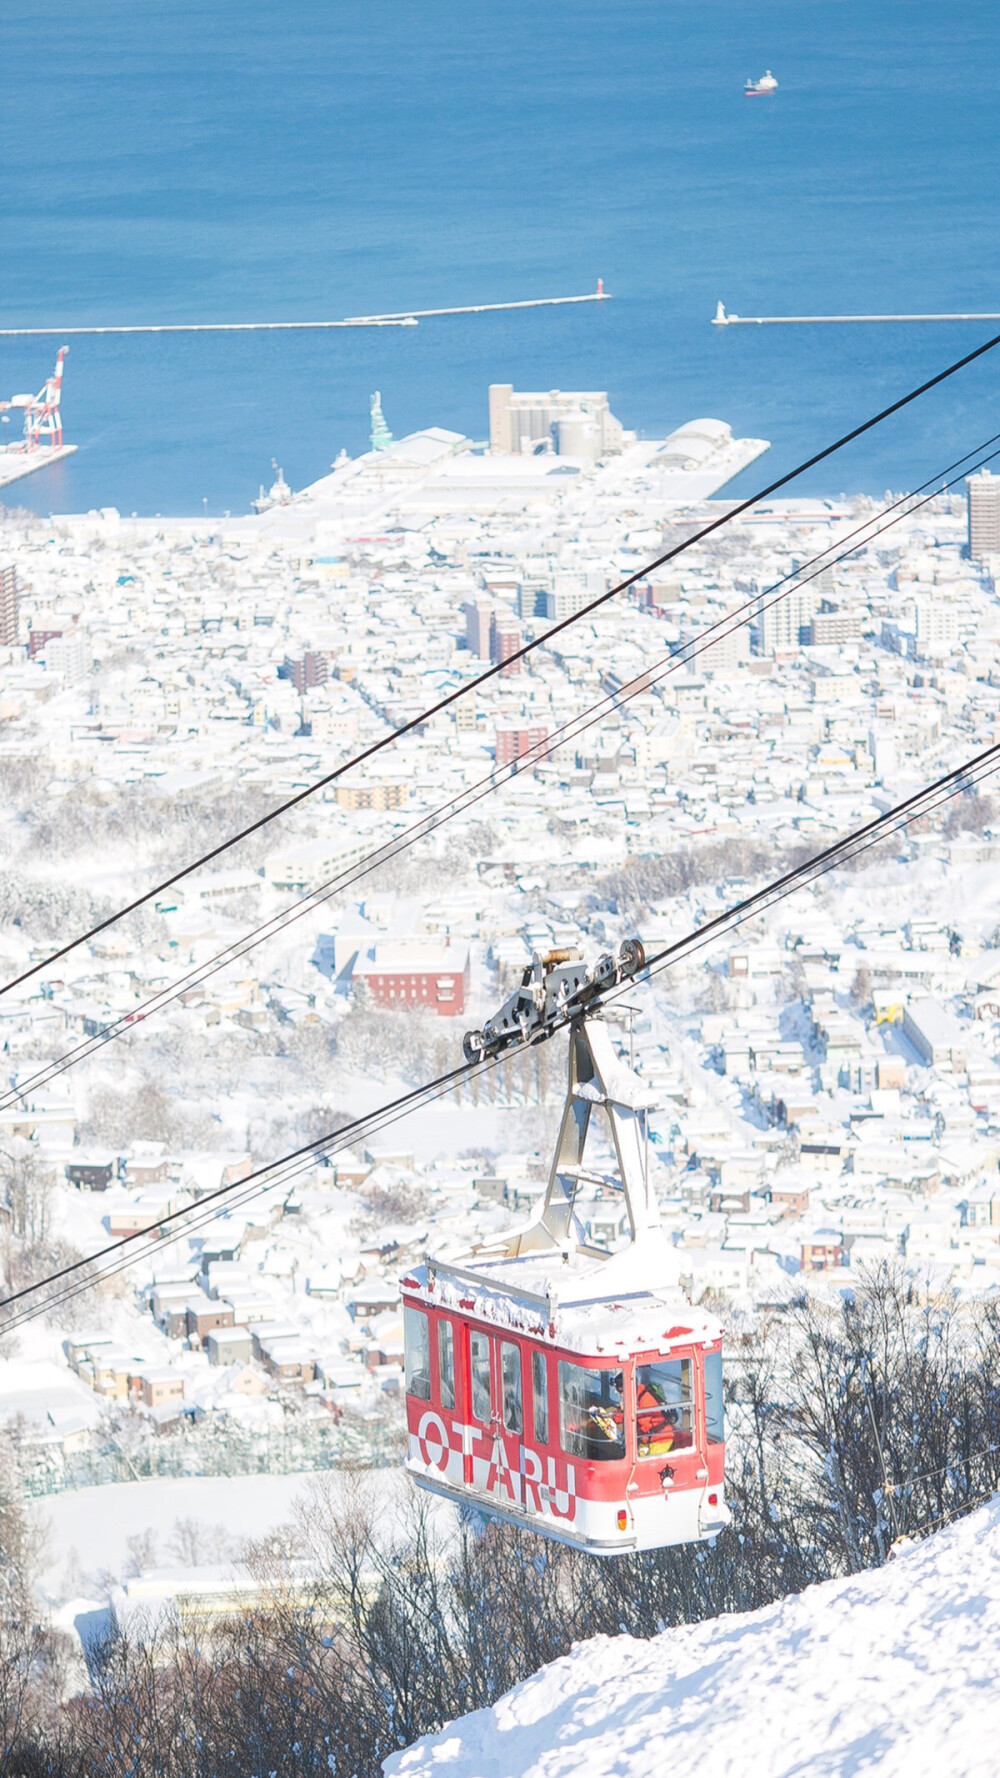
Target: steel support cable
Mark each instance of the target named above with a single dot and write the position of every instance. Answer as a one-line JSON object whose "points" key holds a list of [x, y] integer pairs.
{"points": [[391, 849], [276, 1175], [292, 1166], [953, 1512], [263, 1178], [928, 1475], [909, 809], [914, 808], [812, 874], [698, 943], [852, 845], [902, 815], [300, 1160], [527, 648]]}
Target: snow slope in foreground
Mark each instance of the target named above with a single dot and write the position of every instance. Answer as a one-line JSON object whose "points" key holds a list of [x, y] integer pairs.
{"points": [[895, 1671]]}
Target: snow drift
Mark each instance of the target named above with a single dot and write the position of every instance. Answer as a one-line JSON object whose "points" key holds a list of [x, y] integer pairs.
{"points": [[893, 1671]]}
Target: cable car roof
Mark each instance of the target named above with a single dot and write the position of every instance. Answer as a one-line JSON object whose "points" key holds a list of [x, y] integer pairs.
{"points": [[597, 1306]]}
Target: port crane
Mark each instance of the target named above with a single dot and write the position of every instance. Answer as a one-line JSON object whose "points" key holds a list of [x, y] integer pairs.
{"points": [[42, 412]]}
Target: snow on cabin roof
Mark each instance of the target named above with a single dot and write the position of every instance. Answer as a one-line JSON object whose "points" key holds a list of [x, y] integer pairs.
{"points": [[601, 1306]]}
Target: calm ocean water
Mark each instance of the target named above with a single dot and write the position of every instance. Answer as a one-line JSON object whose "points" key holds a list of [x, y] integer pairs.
{"points": [[175, 160]]}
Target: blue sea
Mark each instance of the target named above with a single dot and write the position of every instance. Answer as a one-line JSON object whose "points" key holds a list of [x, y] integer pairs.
{"points": [[201, 160]]}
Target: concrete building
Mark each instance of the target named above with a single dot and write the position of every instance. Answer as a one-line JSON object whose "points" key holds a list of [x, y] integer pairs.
{"points": [[786, 623], [984, 515], [229, 1345], [936, 625], [9, 606], [505, 640], [69, 657], [161, 1387], [170, 1306], [95, 1173], [832, 627], [577, 424], [39, 639], [380, 793], [204, 1315], [307, 670], [531, 597], [566, 597], [935, 1034], [478, 614], [823, 1252], [515, 740], [313, 862]]}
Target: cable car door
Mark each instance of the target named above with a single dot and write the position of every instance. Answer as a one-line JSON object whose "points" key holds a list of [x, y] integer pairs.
{"points": [[497, 1406], [666, 1427]]}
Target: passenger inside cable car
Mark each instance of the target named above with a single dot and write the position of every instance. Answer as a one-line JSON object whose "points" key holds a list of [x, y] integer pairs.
{"points": [[664, 1400], [591, 1410]]}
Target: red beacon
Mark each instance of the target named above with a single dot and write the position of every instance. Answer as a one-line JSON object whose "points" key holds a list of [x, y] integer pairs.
{"points": [[556, 1376]]}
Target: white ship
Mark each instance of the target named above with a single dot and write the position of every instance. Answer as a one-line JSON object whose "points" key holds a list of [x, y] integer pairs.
{"points": [[756, 89], [278, 494]]}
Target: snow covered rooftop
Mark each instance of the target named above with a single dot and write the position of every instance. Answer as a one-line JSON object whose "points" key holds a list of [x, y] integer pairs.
{"points": [[891, 1671]]}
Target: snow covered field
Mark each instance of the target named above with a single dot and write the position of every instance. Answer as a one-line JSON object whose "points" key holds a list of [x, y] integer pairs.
{"points": [[94, 1524], [893, 1671]]}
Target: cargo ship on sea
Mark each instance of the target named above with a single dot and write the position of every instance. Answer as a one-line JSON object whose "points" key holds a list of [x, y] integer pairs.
{"points": [[759, 89]]}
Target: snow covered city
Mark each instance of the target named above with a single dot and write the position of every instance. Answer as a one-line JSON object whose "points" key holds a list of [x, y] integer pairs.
{"points": [[499, 911]]}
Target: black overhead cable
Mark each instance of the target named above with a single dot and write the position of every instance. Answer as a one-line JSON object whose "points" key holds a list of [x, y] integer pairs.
{"points": [[912, 808], [961, 777], [276, 1174], [853, 846], [568, 731], [308, 1152], [521, 653]]}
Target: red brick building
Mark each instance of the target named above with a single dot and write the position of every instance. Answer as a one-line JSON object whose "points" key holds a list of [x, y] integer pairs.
{"points": [[824, 1252], [514, 742], [435, 976], [505, 640]]}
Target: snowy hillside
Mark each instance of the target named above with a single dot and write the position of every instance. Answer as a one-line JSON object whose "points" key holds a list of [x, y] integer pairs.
{"points": [[894, 1672]]}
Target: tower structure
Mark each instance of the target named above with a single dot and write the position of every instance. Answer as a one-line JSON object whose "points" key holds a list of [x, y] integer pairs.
{"points": [[984, 515], [478, 614], [10, 604], [784, 625], [381, 437]]}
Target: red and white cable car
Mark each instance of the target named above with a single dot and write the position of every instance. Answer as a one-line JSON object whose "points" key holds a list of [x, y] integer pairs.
{"points": [[558, 1384]]}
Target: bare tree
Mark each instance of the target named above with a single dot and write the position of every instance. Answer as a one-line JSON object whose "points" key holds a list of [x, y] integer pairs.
{"points": [[26, 1184], [852, 1421], [191, 1543]]}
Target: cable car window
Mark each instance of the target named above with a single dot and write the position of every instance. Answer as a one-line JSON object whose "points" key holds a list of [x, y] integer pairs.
{"points": [[540, 1397], [664, 1406], [591, 1415], [479, 1372], [715, 1420], [446, 1363], [510, 1378], [417, 1346]]}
